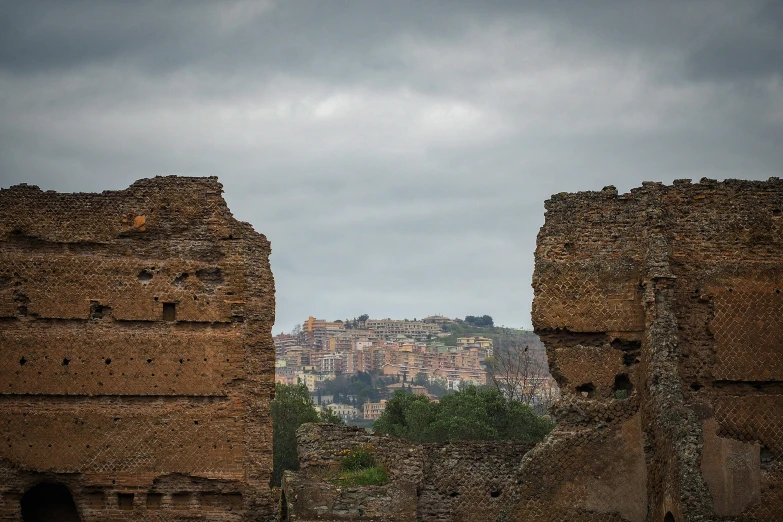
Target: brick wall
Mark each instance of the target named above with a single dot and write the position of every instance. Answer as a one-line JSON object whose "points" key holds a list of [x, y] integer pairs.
{"points": [[137, 362], [661, 311]]}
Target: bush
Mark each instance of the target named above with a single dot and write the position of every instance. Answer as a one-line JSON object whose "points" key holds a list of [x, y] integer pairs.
{"points": [[357, 459]]}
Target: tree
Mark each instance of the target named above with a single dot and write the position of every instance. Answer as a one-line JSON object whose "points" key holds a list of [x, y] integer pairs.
{"points": [[291, 407], [469, 414], [485, 321], [329, 416], [362, 318], [421, 379], [520, 372]]}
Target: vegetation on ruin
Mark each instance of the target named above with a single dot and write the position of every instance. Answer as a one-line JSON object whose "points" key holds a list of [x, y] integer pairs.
{"points": [[469, 414], [359, 468], [291, 408]]}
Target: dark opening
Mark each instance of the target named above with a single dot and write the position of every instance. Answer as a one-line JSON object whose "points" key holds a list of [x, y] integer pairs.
{"points": [[766, 457], [66, 361], [669, 517], [145, 275], [454, 494], [587, 389], [180, 279], [154, 500], [630, 349], [622, 386], [22, 361], [283, 507], [494, 493], [180, 500], [125, 501], [49, 502], [96, 310], [169, 312], [695, 386]]}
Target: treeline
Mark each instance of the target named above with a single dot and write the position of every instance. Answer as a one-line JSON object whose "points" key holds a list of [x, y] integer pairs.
{"points": [[469, 414]]}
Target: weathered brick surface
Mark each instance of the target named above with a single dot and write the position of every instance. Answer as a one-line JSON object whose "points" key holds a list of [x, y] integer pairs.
{"points": [[672, 293], [460, 481], [135, 352]]}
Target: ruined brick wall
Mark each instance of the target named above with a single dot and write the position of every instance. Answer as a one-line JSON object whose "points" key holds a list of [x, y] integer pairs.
{"points": [[662, 313], [458, 481], [136, 359]]}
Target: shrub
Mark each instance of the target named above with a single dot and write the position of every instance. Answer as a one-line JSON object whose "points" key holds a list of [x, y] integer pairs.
{"points": [[359, 458]]}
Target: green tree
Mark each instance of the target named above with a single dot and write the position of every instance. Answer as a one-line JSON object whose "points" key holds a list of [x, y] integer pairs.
{"points": [[329, 416], [470, 414], [291, 407]]}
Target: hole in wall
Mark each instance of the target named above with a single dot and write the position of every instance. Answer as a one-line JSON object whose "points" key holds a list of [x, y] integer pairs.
{"points": [[669, 517], [766, 458], [494, 492], [22, 361], [96, 310], [622, 383], [46, 502], [587, 389], [66, 361], [125, 501], [169, 312], [180, 279], [154, 500], [630, 349], [145, 275], [180, 500], [454, 494], [695, 386]]}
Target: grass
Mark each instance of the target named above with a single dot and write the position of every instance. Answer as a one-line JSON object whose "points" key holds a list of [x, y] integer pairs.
{"points": [[358, 468], [374, 476]]}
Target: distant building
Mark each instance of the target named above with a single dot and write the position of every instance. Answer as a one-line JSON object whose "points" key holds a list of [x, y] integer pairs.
{"points": [[345, 411], [373, 410], [390, 327]]}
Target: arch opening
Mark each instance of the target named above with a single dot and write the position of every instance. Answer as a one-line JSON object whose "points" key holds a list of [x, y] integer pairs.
{"points": [[669, 517], [46, 502]]}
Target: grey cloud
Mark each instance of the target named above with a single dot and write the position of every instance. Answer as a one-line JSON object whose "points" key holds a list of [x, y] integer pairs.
{"points": [[396, 154]]}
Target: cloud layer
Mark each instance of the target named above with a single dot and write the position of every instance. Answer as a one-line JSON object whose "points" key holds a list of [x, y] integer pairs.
{"points": [[396, 154]]}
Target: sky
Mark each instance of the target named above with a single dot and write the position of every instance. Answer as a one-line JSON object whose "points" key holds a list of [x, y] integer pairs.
{"points": [[396, 154]]}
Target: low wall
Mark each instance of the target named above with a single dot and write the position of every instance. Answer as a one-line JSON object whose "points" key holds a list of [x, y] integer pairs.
{"points": [[466, 480]]}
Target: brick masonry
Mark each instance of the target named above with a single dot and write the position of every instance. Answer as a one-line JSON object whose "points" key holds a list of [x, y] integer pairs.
{"points": [[662, 314], [669, 296], [136, 359]]}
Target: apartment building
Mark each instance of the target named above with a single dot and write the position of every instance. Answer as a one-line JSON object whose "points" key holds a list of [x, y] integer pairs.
{"points": [[373, 410], [390, 327], [318, 331]]}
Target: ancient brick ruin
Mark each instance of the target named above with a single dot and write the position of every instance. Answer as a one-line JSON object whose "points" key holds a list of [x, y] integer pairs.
{"points": [[466, 481], [136, 359], [662, 314]]}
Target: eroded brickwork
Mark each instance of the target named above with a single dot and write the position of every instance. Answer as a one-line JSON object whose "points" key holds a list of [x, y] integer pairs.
{"points": [[458, 481], [136, 359], [662, 313]]}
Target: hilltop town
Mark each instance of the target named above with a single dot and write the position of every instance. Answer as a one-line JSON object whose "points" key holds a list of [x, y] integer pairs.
{"points": [[353, 366]]}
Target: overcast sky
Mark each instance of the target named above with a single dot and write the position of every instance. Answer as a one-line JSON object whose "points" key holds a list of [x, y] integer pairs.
{"points": [[397, 154]]}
